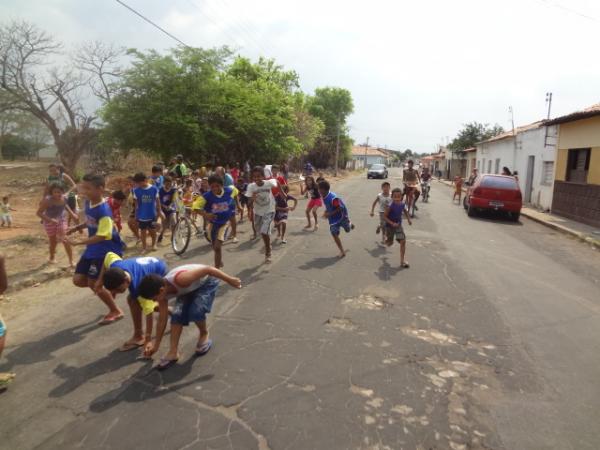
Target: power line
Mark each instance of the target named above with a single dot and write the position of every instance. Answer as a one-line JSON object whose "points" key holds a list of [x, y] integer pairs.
{"points": [[152, 23], [564, 8]]}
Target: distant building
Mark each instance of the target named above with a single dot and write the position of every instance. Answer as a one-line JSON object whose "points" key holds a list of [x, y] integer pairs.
{"points": [[530, 151], [577, 174], [371, 155]]}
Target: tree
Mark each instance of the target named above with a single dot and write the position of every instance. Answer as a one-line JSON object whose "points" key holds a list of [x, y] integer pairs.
{"points": [[54, 96], [473, 133], [332, 105]]}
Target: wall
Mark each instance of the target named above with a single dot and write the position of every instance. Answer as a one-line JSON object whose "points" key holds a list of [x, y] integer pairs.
{"points": [[528, 143], [580, 134]]}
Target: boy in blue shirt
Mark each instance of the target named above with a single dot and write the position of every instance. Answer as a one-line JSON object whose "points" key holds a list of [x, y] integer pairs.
{"points": [[147, 209], [103, 237], [119, 275], [217, 206], [157, 176], [167, 195], [337, 214], [393, 218]]}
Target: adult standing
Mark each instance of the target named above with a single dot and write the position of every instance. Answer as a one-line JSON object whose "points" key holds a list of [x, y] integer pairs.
{"points": [[473, 177]]}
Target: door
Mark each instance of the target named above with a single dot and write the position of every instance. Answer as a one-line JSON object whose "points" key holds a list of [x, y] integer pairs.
{"points": [[529, 178]]}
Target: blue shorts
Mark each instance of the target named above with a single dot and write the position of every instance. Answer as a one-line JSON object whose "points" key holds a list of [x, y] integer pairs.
{"points": [[217, 232], [147, 224], [335, 227], [195, 305], [90, 267], [2, 327]]}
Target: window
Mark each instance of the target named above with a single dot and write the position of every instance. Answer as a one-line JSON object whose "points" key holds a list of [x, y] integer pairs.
{"points": [[547, 172], [497, 166], [492, 182], [578, 164], [489, 166], [483, 165], [478, 166]]}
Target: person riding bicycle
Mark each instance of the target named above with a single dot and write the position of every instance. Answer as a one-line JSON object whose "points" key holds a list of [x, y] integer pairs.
{"points": [[411, 180]]}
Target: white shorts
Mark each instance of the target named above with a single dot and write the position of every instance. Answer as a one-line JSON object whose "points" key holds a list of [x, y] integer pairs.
{"points": [[263, 223]]}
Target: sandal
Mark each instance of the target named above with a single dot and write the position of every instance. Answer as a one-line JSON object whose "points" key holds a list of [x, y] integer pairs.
{"points": [[130, 345], [204, 348], [404, 265], [164, 363], [108, 319]]}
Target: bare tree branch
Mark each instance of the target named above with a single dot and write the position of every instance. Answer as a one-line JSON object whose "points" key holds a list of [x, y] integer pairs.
{"points": [[101, 61]]}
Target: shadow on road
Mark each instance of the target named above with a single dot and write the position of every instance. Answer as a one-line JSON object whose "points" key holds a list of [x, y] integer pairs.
{"points": [[385, 271], [76, 376], [378, 251], [41, 350], [319, 263], [495, 217], [147, 384]]}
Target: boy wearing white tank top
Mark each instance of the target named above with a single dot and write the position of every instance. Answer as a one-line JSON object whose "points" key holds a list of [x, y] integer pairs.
{"points": [[194, 286]]}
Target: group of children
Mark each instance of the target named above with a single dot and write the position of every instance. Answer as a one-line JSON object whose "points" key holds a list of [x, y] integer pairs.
{"points": [[150, 285], [391, 209]]}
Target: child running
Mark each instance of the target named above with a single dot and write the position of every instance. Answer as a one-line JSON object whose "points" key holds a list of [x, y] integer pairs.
{"points": [[263, 204], [157, 176], [241, 186], [337, 214], [384, 199], [217, 207], [53, 210], [102, 238], [5, 210], [167, 195], [194, 286], [115, 202], [5, 377], [314, 203], [147, 209], [119, 275], [282, 209], [458, 182], [393, 218]]}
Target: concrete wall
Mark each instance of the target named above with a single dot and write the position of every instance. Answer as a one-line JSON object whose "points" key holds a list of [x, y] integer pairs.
{"points": [[514, 154]]}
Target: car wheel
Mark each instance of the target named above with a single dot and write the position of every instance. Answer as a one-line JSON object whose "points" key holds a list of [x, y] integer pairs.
{"points": [[515, 216], [465, 203], [470, 211]]}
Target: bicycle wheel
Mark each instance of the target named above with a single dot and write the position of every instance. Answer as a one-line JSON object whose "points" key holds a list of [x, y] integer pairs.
{"points": [[182, 233]]}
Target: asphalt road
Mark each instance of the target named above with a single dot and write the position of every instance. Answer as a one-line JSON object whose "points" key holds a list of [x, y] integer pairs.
{"points": [[490, 340]]}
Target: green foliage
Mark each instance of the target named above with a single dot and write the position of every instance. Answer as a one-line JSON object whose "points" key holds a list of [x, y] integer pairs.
{"points": [[473, 133], [209, 108], [17, 147]]}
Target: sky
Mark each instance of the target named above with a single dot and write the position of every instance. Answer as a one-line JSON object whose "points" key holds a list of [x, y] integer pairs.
{"points": [[417, 70]]}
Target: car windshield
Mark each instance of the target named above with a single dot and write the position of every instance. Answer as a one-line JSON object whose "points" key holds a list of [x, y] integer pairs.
{"points": [[499, 183], [377, 167]]}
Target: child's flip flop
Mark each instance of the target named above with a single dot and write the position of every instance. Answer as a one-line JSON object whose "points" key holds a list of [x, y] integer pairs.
{"points": [[164, 363], [108, 320], [203, 349]]}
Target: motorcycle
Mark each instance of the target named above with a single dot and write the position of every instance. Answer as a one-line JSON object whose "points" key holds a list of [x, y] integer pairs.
{"points": [[425, 187]]}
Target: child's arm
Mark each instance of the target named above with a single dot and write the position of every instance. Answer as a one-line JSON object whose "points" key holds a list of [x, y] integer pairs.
{"points": [[3, 279], [159, 210], [373, 206], [72, 230], [387, 218], [185, 279], [71, 182], [70, 211], [41, 209], [152, 347], [295, 200]]}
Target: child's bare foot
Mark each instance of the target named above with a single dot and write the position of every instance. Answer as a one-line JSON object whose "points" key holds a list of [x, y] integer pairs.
{"points": [[52, 261], [342, 255], [316, 227], [153, 249], [268, 259], [308, 227]]}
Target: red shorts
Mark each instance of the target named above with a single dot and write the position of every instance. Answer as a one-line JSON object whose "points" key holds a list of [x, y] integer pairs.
{"points": [[315, 203], [56, 229]]}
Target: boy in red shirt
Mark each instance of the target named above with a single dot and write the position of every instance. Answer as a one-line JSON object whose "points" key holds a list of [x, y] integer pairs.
{"points": [[115, 202]]}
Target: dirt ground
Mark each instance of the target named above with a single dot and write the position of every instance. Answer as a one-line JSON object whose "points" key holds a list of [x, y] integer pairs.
{"points": [[25, 243]]}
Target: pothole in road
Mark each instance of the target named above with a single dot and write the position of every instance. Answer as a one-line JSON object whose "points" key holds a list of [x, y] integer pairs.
{"points": [[366, 301], [340, 323]]}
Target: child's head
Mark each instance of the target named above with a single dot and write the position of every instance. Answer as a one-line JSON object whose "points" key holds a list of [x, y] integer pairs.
{"points": [[204, 184], [385, 187], [274, 170], [56, 190], [324, 188], [397, 195], [116, 280], [140, 179], [118, 197], [258, 174], [309, 181], [168, 182], [5, 199], [157, 170], [188, 182], [151, 287], [196, 174], [92, 187], [216, 184], [54, 169]]}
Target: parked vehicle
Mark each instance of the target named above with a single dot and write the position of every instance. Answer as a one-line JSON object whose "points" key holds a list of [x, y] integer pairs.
{"points": [[377, 171], [496, 193]]}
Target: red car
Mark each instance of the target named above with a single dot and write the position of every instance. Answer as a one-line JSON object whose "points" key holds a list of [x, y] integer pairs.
{"points": [[496, 193]]}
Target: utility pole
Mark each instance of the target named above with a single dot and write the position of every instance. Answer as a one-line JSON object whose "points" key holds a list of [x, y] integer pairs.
{"points": [[512, 121], [549, 102], [366, 149], [337, 147]]}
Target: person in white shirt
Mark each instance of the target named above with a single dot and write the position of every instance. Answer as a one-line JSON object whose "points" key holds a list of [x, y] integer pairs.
{"points": [[194, 286], [261, 193]]}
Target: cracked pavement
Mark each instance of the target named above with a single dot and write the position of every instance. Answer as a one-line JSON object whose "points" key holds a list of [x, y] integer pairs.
{"points": [[489, 340]]}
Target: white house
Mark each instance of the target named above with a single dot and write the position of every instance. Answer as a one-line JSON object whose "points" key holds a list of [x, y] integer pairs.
{"points": [[372, 155], [531, 152]]}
